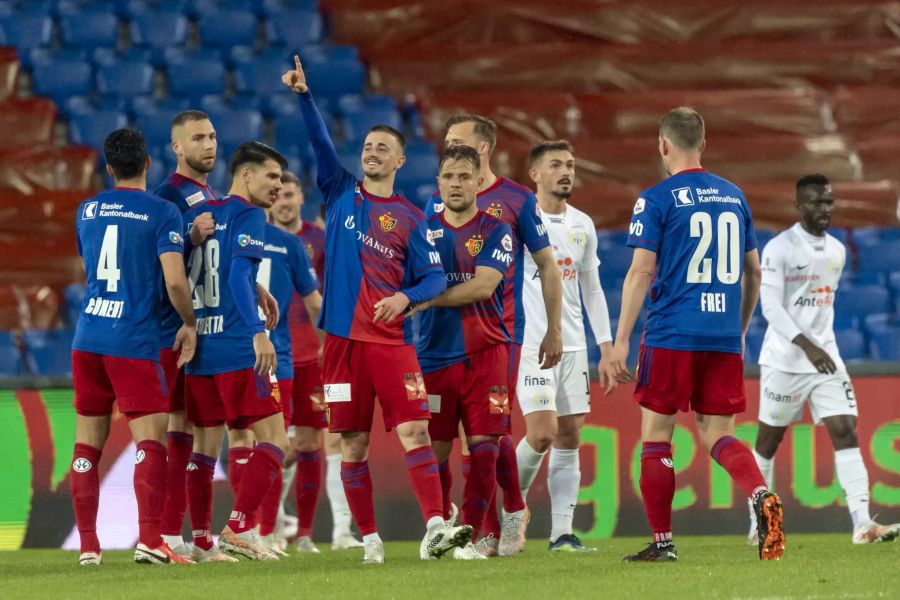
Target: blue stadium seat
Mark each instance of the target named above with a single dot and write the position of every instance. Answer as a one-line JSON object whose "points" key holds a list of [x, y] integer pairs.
{"points": [[313, 200], [92, 128], [615, 259], [90, 28], [861, 300], [852, 344], [154, 119], [609, 237], [51, 360], [262, 77], [846, 320], [27, 31], [329, 53], [877, 322], [335, 78], [62, 79], [219, 178], [866, 236], [422, 170], [108, 56], [125, 78], [356, 125], [295, 28], [351, 161], [158, 30], [74, 297], [881, 257], [890, 234], [10, 361], [353, 103], [417, 147], [841, 234], [234, 126], [196, 78], [227, 28], [885, 343], [894, 282], [271, 8]]}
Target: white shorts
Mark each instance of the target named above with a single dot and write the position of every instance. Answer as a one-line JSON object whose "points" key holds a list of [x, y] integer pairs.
{"points": [[564, 389], [782, 396]]}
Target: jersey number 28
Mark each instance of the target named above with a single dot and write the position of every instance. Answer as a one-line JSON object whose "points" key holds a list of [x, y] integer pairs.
{"points": [[207, 255], [728, 238]]}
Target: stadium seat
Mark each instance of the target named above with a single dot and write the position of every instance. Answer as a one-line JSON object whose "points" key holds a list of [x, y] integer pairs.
{"points": [[108, 56], [196, 78], [261, 78], [844, 319], [890, 234], [91, 128], [50, 360], [224, 29], [885, 343], [421, 170], [62, 79], [335, 78], [866, 236], [158, 30], [353, 103], [125, 79], [271, 8], [74, 297], [852, 345], [155, 121], [607, 238], [615, 259], [357, 124], [840, 234], [27, 31], [861, 300], [295, 29], [91, 28], [894, 283], [234, 126], [881, 257]]}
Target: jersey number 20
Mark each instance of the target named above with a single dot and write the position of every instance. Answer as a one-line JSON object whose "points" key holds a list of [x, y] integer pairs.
{"points": [[207, 255], [728, 238]]}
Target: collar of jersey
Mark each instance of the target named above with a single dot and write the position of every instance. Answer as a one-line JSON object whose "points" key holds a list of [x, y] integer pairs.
{"points": [[698, 170], [176, 175], [457, 228], [374, 198], [129, 189], [225, 199], [493, 187]]}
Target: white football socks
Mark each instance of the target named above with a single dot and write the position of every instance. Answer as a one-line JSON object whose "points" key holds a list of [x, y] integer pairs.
{"points": [[287, 481], [563, 481], [529, 461], [767, 468], [334, 488], [852, 474]]}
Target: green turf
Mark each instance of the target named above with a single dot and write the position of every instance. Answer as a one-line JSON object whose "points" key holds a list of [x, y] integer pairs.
{"points": [[815, 566]]}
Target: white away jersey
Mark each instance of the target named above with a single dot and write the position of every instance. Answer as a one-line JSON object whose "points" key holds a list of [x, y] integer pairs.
{"points": [[803, 271], [574, 242]]}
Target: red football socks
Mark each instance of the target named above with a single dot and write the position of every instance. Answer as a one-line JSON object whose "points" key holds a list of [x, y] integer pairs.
{"points": [[508, 476], [258, 476], [421, 464], [481, 482], [238, 458], [84, 482], [150, 490], [446, 484], [268, 509], [200, 497], [178, 453], [737, 459], [358, 489], [308, 484], [658, 487]]}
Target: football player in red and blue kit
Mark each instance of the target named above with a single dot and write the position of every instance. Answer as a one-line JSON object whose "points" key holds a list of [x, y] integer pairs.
{"points": [[228, 380], [378, 262], [695, 253], [131, 243], [463, 341], [516, 206]]}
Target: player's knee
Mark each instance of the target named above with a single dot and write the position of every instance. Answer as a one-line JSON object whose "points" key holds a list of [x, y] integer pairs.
{"points": [[768, 439], [843, 434], [540, 441], [355, 447], [414, 434]]}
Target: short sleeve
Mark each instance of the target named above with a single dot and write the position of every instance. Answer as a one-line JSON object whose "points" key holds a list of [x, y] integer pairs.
{"points": [[590, 261], [423, 255], [168, 235], [645, 230], [248, 235], [531, 229], [304, 275], [750, 241], [498, 249]]}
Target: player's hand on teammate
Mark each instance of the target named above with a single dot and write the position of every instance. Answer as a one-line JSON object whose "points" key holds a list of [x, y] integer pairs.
{"points": [[296, 78], [265, 354], [204, 226], [269, 307], [550, 352], [607, 375], [186, 341], [388, 309], [417, 308], [618, 359]]}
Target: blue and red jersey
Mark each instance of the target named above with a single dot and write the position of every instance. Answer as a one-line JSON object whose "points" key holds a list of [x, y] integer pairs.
{"points": [[304, 340], [448, 335], [121, 234], [374, 247], [284, 270], [516, 206], [224, 340], [184, 193], [699, 225]]}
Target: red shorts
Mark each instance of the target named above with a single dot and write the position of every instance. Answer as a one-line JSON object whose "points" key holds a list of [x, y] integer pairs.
{"points": [[285, 397], [706, 382], [355, 372], [515, 356], [238, 398], [174, 377], [309, 401], [137, 384], [473, 391]]}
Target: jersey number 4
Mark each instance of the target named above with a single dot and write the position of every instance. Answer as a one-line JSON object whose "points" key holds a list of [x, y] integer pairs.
{"points": [[728, 239], [205, 258], [108, 264]]}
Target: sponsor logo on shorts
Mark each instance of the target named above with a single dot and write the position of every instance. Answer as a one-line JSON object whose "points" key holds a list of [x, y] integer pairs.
{"points": [[415, 386], [337, 392], [474, 244], [667, 462], [139, 457], [531, 380], [499, 400], [786, 398], [82, 465], [434, 403]]}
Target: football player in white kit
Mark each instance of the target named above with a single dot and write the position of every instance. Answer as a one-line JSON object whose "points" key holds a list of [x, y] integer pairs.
{"points": [[799, 360], [555, 401]]}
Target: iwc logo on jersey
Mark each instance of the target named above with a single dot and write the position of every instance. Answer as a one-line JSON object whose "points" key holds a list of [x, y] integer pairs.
{"points": [[475, 244], [387, 222], [639, 206], [175, 237], [507, 243], [415, 386], [82, 465], [499, 400], [683, 197], [495, 210], [90, 211]]}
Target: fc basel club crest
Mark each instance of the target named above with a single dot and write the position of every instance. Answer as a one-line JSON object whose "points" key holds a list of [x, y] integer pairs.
{"points": [[495, 210], [499, 398], [475, 244], [415, 386], [387, 221], [310, 251]]}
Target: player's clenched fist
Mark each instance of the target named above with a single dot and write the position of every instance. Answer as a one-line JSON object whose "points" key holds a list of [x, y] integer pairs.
{"points": [[203, 226], [296, 79]]}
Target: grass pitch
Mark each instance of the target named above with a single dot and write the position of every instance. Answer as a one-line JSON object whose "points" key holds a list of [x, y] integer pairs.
{"points": [[814, 566]]}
